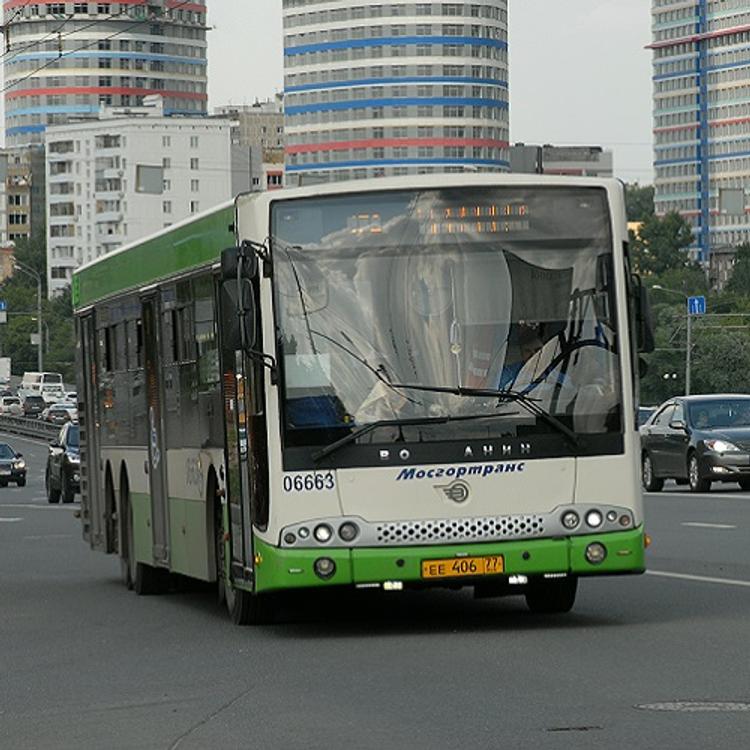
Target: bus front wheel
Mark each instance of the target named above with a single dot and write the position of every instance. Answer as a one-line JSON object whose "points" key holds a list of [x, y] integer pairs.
{"points": [[552, 595], [246, 608]]}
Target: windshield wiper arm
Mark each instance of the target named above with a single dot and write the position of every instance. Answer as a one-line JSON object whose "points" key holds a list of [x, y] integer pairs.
{"points": [[526, 401], [531, 405], [412, 421]]}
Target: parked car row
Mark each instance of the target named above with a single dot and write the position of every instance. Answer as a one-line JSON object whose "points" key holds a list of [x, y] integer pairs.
{"points": [[697, 440]]}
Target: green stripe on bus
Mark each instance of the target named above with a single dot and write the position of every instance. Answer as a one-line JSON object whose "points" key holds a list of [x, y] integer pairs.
{"points": [[293, 568], [195, 244]]}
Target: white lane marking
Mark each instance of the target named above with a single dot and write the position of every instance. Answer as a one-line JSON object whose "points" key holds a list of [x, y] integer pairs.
{"points": [[39, 537], [700, 579], [10, 520], [698, 525], [702, 497]]}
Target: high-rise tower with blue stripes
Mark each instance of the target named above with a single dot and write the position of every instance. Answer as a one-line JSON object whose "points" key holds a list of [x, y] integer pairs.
{"points": [[701, 63], [389, 87], [66, 59]]}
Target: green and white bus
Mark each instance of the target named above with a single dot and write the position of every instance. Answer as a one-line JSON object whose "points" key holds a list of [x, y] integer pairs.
{"points": [[387, 384]]}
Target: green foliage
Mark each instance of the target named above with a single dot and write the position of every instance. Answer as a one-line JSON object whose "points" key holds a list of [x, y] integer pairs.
{"points": [[20, 295], [639, 201], [661, 243], [739, 282], [720, 356]]}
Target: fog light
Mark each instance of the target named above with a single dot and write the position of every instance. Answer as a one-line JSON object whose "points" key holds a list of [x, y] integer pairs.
{"points": [[323, 533], [612, 516], [594, 519], [289, 538], [348, 531], [303, 532], [596, 553], [624, 520], [324, 567], [570, 519]]}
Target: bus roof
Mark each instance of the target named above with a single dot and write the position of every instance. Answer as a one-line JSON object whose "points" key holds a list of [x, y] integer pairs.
{"points": [[189, 244]]}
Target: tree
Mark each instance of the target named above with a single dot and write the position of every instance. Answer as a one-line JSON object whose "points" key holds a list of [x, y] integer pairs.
{"points": [[639, 201], [739, 282], [661, 243]]}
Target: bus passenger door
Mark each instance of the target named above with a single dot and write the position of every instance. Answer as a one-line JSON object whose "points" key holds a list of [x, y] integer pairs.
{"points": [[157, 457], [92, 501]]}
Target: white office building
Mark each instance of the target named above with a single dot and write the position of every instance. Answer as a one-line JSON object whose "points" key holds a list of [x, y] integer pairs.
{"points": [[125, 176]]}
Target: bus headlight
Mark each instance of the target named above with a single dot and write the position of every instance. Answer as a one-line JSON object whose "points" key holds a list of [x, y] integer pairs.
{"points": [[596, 553], [594, 519], [570, 519], [324, 568], [323, 533], [348, 531]]}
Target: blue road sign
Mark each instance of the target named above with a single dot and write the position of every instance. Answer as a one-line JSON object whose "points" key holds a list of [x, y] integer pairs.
{"points": [[3, 305], [697, 305]]}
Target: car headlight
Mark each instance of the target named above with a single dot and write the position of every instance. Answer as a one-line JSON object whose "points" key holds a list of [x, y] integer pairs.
{"points": [[721, 446], [74, 459], [19, 465]]}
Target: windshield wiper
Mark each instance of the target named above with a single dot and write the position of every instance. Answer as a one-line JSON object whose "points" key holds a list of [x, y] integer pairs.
{"points": [[412, 421], [528, 402]]}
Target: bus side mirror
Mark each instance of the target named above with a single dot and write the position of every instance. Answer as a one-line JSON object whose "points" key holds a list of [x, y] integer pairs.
{"points": [[246, 314], [643, 318], [240, 261]]}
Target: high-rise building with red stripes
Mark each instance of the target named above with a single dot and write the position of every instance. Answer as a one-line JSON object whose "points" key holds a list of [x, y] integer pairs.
{"points": [[388, 87], [63, 60], [702, 118]]}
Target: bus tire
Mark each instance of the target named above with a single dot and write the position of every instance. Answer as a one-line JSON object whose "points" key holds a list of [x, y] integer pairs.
{"points": [[53, 495], [246, 608], [149, 580], [127, 540], [552, 595]]}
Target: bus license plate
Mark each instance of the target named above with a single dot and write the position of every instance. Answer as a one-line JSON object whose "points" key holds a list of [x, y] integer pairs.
{"points": [[456, 567]]}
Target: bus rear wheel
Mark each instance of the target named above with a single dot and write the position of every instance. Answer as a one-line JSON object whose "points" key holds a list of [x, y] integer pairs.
{"points": [[552, 595]]}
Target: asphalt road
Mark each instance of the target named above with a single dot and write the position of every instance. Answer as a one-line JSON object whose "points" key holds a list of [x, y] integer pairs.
{"points": [[86, 664]]}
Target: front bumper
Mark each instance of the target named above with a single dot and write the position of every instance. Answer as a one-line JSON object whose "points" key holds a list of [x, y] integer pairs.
{"points": [[725, 466], [278, 569], [14, 475]]}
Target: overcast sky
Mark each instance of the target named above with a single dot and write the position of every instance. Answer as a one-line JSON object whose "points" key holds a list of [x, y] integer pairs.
{"points": [[579, 72]]}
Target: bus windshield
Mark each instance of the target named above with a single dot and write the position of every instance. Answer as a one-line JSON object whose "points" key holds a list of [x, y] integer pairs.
{"points": [[504, 289]]}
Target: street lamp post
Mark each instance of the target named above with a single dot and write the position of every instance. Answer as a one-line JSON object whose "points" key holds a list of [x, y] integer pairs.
{"points": [[35, 275], [689, 343]]}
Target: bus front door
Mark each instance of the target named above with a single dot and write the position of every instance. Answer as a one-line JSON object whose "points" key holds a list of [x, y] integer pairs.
{"points": [[157, 457]]}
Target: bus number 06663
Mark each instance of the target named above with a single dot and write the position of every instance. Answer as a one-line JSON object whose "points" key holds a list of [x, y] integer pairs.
{"points": [[313, 482]]}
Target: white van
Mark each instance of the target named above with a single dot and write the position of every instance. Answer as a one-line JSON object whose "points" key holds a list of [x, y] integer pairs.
{"points": [[48, 385]]}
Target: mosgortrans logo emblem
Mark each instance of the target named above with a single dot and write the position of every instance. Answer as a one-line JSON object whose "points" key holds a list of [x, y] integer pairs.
{"points": [[456, 472], [457, 491]]}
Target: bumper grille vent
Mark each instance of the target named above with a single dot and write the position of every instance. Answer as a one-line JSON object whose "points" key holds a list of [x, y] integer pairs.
{"points": [[460, 530]]}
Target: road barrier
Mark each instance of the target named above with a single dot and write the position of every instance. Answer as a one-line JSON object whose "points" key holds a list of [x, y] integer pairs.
{"points": [[28, 427]]}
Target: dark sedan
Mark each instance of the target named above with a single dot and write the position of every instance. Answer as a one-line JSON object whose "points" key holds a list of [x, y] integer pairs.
{"points": [[63, 474], [697, 440], [12, 466]]}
